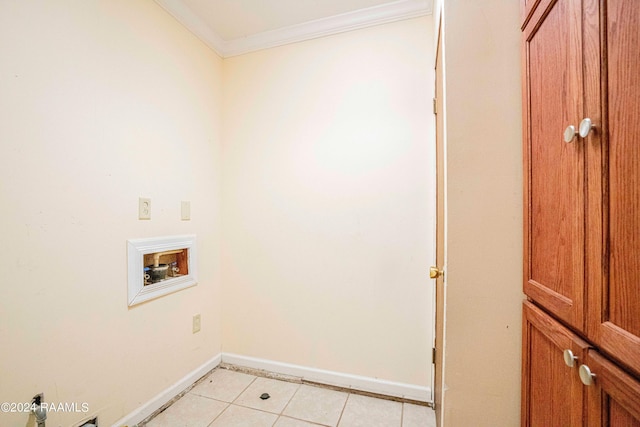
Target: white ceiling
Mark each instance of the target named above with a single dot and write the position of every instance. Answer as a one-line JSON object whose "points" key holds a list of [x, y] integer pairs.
{"points": [[233, 27]]}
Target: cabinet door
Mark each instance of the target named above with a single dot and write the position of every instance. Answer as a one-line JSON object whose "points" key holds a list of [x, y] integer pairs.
{"points": [[613, 400], [614, 323], [552, 394], [554, 231], [554, 169]]}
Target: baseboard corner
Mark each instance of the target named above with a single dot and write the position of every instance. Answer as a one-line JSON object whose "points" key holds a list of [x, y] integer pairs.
{"points": [[161, 399]]}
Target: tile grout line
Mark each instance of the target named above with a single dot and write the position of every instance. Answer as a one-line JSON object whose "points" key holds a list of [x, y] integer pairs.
{"points": [[346, 401], [285, 406], [278, 415], [289, 401], [296, 418], [276, 420], [231, 403], [220, 414], [302, 420], [244, 389]]}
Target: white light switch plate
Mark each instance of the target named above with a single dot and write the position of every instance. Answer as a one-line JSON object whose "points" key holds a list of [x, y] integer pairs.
{"points": [[185, 211], [196, 323]]}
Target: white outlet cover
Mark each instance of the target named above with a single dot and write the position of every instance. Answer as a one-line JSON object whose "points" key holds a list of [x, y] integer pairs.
{"points": [[197, 319], [144, 208], [185, 210]]}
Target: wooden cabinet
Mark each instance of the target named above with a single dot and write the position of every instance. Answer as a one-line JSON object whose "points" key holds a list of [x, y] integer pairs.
{"points": [[552, 394], [581, 60], [555, 194], [614, 397], [614, 299]]}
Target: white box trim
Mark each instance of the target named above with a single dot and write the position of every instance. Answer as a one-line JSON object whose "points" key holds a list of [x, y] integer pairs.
{"points": [[138, 248]]}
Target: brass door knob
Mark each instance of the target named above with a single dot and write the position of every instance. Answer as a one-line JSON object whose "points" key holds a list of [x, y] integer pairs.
{"points": [[434, 273]]}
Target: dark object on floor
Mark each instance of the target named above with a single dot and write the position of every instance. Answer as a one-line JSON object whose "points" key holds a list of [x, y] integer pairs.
{"points": [[264, 396]]}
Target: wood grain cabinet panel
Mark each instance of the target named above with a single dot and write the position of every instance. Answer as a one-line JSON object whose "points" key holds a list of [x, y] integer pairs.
{"points": [[613, 400], [555, 170], [581, 60], [615, 305], [552, 392]]}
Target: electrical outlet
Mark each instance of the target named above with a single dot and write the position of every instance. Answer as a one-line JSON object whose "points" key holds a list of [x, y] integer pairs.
{"points": [[144, 208], [196, 323]]}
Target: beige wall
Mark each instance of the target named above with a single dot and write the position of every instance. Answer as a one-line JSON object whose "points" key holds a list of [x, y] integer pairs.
{"points": [[328, 183], [327, 216], [484, 221], [328, 203], [102, 102]]}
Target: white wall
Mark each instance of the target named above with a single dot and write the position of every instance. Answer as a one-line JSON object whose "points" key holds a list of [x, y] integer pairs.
{"points": [[328, 194], [484, 213], [102, 102]]}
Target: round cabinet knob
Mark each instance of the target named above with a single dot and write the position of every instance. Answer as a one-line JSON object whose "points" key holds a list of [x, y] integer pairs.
{"points": [[586, 376], [585, 127], [569, 358], [569, 133]]}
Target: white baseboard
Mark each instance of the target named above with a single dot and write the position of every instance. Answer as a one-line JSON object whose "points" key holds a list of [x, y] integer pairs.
{"points": [[165, 396], [338, 379]]}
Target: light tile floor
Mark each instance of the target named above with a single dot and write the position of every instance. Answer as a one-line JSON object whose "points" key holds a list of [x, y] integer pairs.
{"points": [[228, 398]]}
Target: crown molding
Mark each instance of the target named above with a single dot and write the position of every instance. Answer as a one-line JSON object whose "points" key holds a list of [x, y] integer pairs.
{"points": [[382, 14], [376, 15], [187, 17]]}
